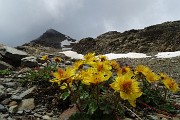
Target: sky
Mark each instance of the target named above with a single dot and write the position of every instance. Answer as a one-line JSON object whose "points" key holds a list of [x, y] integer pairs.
{"points": [[24, 20]]}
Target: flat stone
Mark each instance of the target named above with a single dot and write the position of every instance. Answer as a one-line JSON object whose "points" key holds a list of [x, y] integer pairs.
{"points": [[20, 112], [37, 115], [67, 113], [12, 103], [46, 117], [26, 104], [23, 95], [10, 84]]}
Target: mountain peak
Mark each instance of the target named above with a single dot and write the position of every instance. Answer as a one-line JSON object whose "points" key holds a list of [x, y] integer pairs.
{"points": [[52, 38]]}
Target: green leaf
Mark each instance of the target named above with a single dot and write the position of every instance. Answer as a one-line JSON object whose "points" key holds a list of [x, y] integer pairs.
{"points": [[92, 107], [64, 95]]}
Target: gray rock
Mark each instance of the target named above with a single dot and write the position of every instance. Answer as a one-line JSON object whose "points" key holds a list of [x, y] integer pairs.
{"points": [[29, 61], [46, 117], [4, 65], [10, 90], [2, 108], [16, 97], [37, 115], [6, 101], [20, 112], [153, 117], [13, 109], [68, 62], [4, 116], [22, 95], [11, 55], [1, 89], [26, 104], [10, 84], [12, 52]]}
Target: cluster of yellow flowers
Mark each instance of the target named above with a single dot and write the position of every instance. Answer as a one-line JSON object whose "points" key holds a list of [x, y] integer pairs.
{"points": [[95, 70]]}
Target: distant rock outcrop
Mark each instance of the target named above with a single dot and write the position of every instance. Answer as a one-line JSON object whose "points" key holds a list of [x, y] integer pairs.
{"points": [[157, 38], [11, 56], [54, 39]]}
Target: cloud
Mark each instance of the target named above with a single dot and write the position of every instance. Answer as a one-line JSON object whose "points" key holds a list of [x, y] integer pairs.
{"points": [[24, 20]]}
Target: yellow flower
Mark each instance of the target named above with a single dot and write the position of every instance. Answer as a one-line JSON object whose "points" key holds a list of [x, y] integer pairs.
{"points": [[62, 76], [115, 65], [78, 64], [94, 79], [169, 83], [57, 59], [128, 87], [101, 66], [45, 57], [142, 69], [89, 58], [150, 76]]}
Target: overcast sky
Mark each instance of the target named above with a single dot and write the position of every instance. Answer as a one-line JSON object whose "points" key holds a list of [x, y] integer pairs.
{"points": [[24, 20]]}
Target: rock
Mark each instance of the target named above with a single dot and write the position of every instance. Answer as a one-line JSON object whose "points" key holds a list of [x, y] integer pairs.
{"points": [[67, 113], [37, 115], [29, 62], [23, 95], [68, 62], [6, 101], [12, 103], [20, 112], [11, 55], [13, 109], [10, 84], [4, 65], [26, 104], [2, 108], [46, 117], [4, 116], [153, 117], [1, 89], [127, 119]]}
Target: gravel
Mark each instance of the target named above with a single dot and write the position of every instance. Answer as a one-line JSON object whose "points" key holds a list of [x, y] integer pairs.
{"points": [[170, 66]]}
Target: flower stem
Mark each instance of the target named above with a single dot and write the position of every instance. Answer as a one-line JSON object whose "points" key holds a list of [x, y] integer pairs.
{"points": [[71, 93], [97, 96]]}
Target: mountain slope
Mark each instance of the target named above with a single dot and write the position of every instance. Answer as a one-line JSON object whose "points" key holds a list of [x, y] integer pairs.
{"points": [[54, 39], [156, 38]]}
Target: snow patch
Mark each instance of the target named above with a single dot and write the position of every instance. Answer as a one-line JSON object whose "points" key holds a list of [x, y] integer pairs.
{"points": [[168, 54], [73, 54]]}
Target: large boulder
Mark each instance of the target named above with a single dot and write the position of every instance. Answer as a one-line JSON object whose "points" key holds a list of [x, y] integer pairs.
{"points": [[11, 55]]}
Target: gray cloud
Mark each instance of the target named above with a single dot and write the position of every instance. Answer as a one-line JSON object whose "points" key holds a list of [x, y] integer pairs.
{"points": [[24, 20]]}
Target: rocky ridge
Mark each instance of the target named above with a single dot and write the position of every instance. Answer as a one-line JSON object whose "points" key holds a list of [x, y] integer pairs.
{"points": [[157, 38], [54, 39]]}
